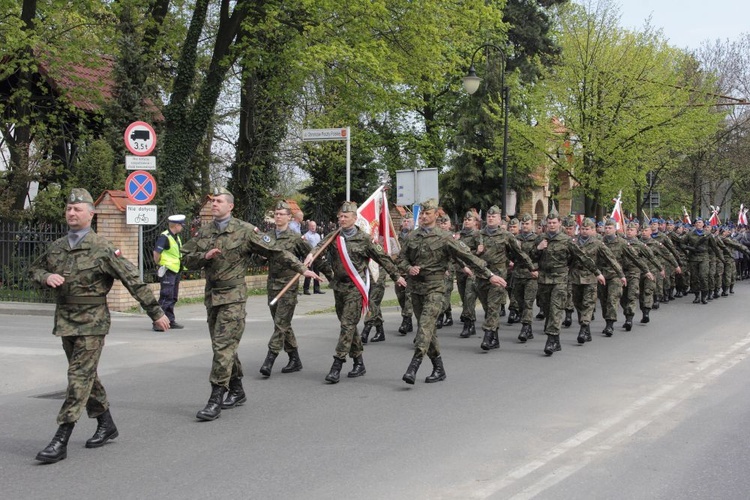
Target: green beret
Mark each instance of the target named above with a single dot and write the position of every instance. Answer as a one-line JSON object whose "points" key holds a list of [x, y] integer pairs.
{"points": [[79, 195], [348, 206], [513, 222], [282, 205], [470, 215], [526, 218], [587, 222], [430, 204], [218, 190], [632, 225], [568, 222], [444, 218], [494, 209], [610, 222]]}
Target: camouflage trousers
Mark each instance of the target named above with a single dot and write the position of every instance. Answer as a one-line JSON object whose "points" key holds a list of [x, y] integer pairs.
{"points": [[448, 281], [492, 298], [648, 288], [226, 324], [719, 279], [374, 315], [669, 280], [609, 297], [427, 308], [524, 293], [698, 276], [711, 274], [467, 289], [658, 285], [349, 312], [584, 300], [569, 306], [553, 298], [282, 313], [404, 301], [85, 390], [730, 274], [631, 294]]}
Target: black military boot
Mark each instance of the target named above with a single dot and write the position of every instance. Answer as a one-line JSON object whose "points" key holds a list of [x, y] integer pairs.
{"points": [[487, 340], [568, 319], [609, 330], [379, 334], [57, 449], [335, 373], [439, 322], [448, 320], [716, 293], [540, 315], [724, 292], [678, 294], [704, 297], [731, 289], [466, 332], [235, 396], [502, 310], [438, 372], [105, 430], [709, 295], [265, 370], [588, 333], [359, 367], [645, 318], [552, 345], [406, 326], [582, 335], [295, 364], [657, 300], [366, 332], [411, 373], [212, 411], [697, 299], [495, 342], [525, 333], [513, 316], [628, 323]]}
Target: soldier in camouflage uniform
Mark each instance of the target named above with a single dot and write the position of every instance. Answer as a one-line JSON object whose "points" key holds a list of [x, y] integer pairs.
{"points": [[279, 275], [627, 292], [498, 247], [584, 282], [465, 282], [569, 226], [402, 294], [697, 245], [525, 286], [674, 232], [81, 268], [651, 251], [721, 261], [349, 285], [513, 306], [446, 317], [374, 315], [730, 270], [223, 249], [554, 254], [425, 256]]}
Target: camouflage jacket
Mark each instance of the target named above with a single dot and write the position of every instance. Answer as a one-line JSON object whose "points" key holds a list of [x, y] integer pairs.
{"points": [[599, 253], [555, 260], [527, 242], [733, 246], [225, 273], [501, 247], [660, 252], [360, 249], [629, 259], [433, 251], [697, 245], [654, 264], [89, 271], [667, 242], [471, 238], [279, 273]]}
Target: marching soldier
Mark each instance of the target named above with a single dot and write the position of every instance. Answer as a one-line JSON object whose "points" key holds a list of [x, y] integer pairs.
{"points": [[466, 283], [525, 286], [730, 270], [402, 294], [670, 270], [279, 274], [698, 246], [446, 318], [224, 249], [647, 287], [513, 317], [345, 266], [569, 226], [425, 256], [81, 268]]}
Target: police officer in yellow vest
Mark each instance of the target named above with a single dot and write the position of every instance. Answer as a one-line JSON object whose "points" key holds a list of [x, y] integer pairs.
{"points": [[167, 257]]}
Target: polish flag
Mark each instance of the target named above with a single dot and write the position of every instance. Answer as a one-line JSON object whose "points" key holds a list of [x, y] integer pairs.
{"points": [[374, 218], [742, 216], [714, 220], [686, 216], [617, 214]]}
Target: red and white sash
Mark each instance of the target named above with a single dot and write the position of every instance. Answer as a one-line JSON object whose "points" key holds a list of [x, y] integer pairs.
{"points": [[362, 285]]}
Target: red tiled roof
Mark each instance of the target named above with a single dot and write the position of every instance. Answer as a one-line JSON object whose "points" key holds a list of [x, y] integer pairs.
{"points": [[119, 199]]}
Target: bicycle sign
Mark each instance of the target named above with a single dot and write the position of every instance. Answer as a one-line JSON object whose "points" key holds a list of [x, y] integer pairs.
{"points": [[142, 215]]}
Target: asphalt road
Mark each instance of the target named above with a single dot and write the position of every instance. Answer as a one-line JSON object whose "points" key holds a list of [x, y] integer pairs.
{"points": [[657, 413]]}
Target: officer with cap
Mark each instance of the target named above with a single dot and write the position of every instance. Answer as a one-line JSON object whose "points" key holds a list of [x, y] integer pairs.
{"points": [[80, 269], [467, 290], [525, 286], [446, 317], [167, 257]]}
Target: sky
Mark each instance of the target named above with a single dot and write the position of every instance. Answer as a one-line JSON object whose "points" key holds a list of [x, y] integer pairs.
{"points": [[687, 23]]}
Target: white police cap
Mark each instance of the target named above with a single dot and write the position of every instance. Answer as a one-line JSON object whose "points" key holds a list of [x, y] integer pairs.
{"points": [[176, 219]]}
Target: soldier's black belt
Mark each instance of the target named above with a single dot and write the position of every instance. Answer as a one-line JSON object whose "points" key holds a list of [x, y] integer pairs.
{"points": [[429, 277], [227, 283], [87, 301]]}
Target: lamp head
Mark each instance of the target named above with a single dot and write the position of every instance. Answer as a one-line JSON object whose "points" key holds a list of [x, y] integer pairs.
{"points": [[471, 81]]}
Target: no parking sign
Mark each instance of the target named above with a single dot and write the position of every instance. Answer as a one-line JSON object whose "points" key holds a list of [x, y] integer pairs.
{"points": [[140, 187]]}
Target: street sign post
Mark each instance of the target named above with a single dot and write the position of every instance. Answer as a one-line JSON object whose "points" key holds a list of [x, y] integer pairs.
{"points": [[333, 134], [416, 186], [140, 187], [140, 138]]}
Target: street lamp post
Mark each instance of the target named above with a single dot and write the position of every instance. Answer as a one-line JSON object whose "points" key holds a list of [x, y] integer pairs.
{"points": [[471, 85]]}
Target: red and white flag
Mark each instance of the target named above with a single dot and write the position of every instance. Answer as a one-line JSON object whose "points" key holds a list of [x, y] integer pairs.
{"points": [[617, 214], [742, 216], [374, 218], [686, 216], [714, 220]]}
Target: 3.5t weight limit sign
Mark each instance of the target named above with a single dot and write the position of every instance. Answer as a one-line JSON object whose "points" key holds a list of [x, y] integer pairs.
{"points": [[140, 138]]}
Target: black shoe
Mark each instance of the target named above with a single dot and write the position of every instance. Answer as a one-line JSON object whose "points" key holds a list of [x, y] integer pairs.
{"points": [[487, 340], [502, 310], [438, 372], [568, 319], [319, 292], [366, 332], [678, 294], [306, 292], [105, 430], [212, 410], [716, 294], [655, 305], [265, 370], [495, 344], [645, 319], [57, 449], [379, 334], [467, 331], [697, 299], [731, 289], [588, 333], [448, 319], [176, 326], [525, 332], [439, 322], [628, 323], [411, 373], [609, 330], [513, 316], [552, 345], [295, 364], [724, 292], [540, 315], [235, 396], [406, 326], [335, 373], [582, 335], [704, 297], [359, 367]]}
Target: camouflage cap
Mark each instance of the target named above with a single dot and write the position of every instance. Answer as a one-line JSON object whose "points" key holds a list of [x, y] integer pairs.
{"points": [[218, 191], [443, 219], [282, 205], [513, 222], [348, 207], [79, 195], [493, 210], [526, 218], [568, 222], [588, 222], [610, 222], [429, 204], [470, 215], [632, 225]]}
